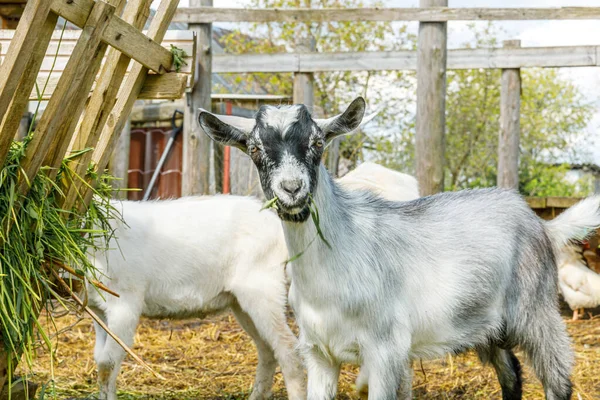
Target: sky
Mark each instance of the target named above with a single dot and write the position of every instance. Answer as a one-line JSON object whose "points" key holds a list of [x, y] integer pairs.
{"points": [[531, 34]]}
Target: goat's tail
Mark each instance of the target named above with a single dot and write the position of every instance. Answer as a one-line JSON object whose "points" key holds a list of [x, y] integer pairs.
{"points": [[575, 223]]}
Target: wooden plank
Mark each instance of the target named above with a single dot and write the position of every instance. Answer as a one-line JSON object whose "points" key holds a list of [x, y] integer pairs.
{"points": [[195, 177], [119, 163], [120, 35], [181, 39], [61, 113], [170, 86], [510, 125], [536, 202], [156, 87], [19, 53], [545, 57], [246, 63], [431, 103], [561, 202], [18, 104], [199, 15]]}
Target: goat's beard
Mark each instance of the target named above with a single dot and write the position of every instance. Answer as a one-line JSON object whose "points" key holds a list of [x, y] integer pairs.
{"points": [[299, 217]]}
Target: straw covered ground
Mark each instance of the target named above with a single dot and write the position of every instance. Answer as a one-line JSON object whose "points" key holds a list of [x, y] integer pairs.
{"points": [[215, 359]]}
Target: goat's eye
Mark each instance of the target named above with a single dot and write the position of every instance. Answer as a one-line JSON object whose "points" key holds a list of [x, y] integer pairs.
{"points": [[319, 143], [252, 149]]}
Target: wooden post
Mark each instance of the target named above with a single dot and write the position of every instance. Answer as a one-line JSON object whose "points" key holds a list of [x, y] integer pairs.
{"points": [[431, 102], [119, 163], [26, 120], [510, 127], [304, 91], [196, 145]]}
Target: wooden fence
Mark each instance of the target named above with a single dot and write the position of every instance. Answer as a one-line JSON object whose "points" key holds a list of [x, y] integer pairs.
{"points": [[431, 60]]}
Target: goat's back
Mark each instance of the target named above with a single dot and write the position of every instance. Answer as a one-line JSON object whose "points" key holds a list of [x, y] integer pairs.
{"points": [[183, 254], [385, 182]]}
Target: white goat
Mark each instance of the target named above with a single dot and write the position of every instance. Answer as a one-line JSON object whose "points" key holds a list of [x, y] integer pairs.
{"points": [[384, 182], [189, 258], [377, 297]]}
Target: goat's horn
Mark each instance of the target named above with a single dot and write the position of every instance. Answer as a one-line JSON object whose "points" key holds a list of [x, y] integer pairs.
{"points": [[241, 123]]}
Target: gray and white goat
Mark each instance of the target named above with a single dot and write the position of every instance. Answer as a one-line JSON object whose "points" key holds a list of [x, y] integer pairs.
{"points": [[378, 297]]}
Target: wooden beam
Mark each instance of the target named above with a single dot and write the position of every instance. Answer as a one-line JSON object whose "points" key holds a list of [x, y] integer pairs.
{"points": [[119, 163], [58, 52], [170, 86], [545, 57], [431, 103], [202, 15], [196, 144], [120, 35], [510, 127]]}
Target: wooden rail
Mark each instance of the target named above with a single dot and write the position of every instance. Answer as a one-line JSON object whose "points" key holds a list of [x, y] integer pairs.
{"points": [[199, 15], [526, 57]]}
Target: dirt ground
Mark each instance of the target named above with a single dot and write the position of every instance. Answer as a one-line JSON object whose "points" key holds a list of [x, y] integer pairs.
{"points": [[215, 359]]}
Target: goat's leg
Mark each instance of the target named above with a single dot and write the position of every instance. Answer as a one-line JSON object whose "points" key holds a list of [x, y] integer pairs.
{"points": [[547, 345], [265, 371], [362, 382], [122, 318], [323, 375], [267, 311], [99, 333], [507, 368], [389, 369]]}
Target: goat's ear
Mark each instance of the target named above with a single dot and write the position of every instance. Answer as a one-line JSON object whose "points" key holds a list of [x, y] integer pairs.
{"points": [[344, 123], [222, 132]]}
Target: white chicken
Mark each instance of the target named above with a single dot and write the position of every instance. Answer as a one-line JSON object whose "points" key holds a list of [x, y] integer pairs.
{"points": [[579, 285]]}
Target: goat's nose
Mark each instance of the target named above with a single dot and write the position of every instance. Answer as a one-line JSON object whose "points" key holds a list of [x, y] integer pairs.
{"points": [[292, 186]]}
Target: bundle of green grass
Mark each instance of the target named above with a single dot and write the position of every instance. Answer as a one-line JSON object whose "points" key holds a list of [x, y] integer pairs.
{"points": [[37, 237]]}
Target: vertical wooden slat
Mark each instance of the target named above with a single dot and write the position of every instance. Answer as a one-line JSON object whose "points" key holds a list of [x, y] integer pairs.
{"points": [[304, 92], [66, 104], [510, 126], [119, 163], [31, 37], [196, 145], [431, 102]]}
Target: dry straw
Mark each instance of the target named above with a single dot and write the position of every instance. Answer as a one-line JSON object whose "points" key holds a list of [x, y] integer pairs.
{"points": [[215, 359]]}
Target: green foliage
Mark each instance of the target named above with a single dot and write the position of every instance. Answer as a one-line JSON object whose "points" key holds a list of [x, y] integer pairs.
{"points": [[179, 56], [35, 235]]}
